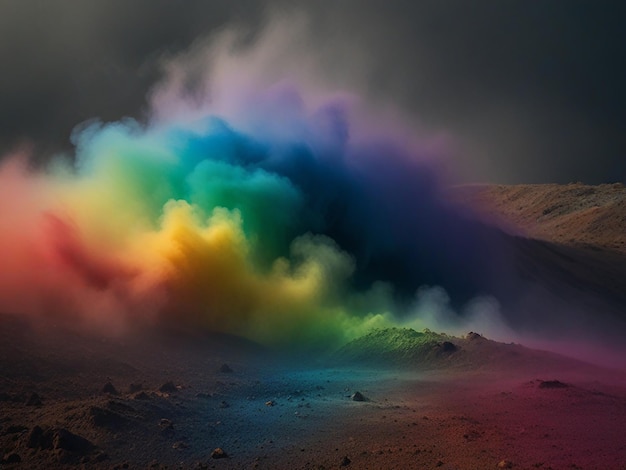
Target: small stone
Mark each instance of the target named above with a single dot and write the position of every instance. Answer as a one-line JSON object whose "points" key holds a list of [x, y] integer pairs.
{"points": [[474, 336], [141, 396], [134, 388], [225, 368], [66, 440], [270, 403], [439, 463], [34, 400], [110, 389], [168, 387], [166, 423], [39, 439], [219, 453], [358, 396], [505, 464], [447, 346], [167, 427], [179, 445], [224, 404], [345, 461], [552, 384]]}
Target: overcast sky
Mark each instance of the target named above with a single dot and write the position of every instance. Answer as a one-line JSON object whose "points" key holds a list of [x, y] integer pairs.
{"points": [[527, 91]]}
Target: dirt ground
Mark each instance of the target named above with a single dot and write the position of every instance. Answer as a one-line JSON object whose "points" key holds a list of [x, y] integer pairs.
{"points": [[522, 412]]}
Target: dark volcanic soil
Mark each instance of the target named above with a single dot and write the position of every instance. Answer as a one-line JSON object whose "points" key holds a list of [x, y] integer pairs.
{"points": [[171, 403]]}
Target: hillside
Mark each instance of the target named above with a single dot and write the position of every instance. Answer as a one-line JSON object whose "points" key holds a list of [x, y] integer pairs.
{"points": [[574, 214], [427, 350]]}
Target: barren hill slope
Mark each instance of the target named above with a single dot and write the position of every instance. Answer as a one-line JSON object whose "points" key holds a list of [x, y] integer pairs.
{"points": [[573, 214], [568, 251]]}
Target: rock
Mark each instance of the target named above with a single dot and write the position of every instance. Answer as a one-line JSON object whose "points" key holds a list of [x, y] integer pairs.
{"points": [[179, 445], [34, 437], [505, 464], [167, 427], [34, 400], [12, 458], [219, 453], [473, 336], [168, 387], [225, 368], [224, 404], [141, 396], [345, 461], [448, 347], [552, 384], [358, 396], [59, 439], [39, 439], [66, 440], [110, 389], [270, 403]]}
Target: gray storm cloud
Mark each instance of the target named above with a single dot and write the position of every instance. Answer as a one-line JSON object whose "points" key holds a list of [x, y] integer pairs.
{"points": [[527, 92]]}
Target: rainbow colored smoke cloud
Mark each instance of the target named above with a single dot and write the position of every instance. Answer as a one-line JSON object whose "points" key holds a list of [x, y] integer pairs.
{"points": [[282, 221]]}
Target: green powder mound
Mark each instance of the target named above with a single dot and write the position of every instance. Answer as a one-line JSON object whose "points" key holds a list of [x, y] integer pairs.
{"points": [[399, 346], [406, 348]]}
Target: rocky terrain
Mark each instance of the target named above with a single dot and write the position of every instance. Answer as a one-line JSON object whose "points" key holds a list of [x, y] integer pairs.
{"points": [[393, 398]]}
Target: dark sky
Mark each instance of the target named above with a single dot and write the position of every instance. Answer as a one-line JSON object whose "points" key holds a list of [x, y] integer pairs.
{"points": [[528, 91]]}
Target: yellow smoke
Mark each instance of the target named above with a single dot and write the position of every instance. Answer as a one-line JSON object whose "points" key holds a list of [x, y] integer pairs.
{"points": [[205, 266]]}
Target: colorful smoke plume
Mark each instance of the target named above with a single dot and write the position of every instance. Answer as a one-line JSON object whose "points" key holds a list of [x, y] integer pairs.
{"points": [[256, 206]]}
